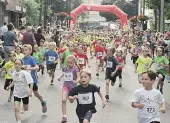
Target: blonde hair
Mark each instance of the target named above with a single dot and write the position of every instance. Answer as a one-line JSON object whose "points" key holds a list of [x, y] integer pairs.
{"points": [[71, 57], [87, 71], [28, 46]]}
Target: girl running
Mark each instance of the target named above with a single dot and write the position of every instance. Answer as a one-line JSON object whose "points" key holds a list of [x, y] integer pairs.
{"points": [[21, 80], [161, 63], [121, 61], [9, 68], [71, 78]]}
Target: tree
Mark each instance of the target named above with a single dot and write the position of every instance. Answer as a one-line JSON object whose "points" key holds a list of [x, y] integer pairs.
{"points": [[108, 16], [32, 11], [123, 5]]}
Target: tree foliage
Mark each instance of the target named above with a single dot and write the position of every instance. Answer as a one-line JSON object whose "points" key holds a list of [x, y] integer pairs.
{"points": [[128, 7], [32, 11]]}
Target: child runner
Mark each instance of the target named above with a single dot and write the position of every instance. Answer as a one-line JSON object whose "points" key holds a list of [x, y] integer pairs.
{"points": [[39, 57], [51, 57], [121, 61], [161, 63], [100, 54], [143, 63], [84, 94], [21, 80], [135, 52], [82, 59], [9, 68], [18, 53], [70, 74], [31, 66], [111, 70], [70, 51], [148, 100]]}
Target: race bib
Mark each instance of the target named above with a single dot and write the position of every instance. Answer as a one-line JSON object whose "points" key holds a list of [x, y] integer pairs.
{"points": [[109, 64], [150, 110], [28, 66], [85, 98], [99, 54], [51, 58], [11, 71], [158, 67], [68, 76], [145, 66], [81, 61]]}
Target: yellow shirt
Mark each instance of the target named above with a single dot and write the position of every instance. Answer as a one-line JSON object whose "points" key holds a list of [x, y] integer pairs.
{"points": [[19, 56], [9, 66], [143, 64]]}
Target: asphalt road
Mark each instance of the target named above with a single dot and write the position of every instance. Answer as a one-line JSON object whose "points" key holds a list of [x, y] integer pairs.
{"points": [[118, 110]]}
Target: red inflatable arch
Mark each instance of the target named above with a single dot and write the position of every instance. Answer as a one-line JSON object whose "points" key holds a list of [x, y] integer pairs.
{"points": [[100, 8]]}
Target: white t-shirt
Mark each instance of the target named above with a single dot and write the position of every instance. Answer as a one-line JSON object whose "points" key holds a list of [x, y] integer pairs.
{"points": [[21, 81], [151, 99]]}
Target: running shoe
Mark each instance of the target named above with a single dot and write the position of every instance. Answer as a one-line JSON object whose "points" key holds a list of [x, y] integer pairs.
{"points": [[107, 97], [112, 83], [64, 120], [44, 107], [161, 90], [120, 85]]}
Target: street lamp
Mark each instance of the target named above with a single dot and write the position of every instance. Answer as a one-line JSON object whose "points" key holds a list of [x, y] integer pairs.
{"points": [[162, 16]]}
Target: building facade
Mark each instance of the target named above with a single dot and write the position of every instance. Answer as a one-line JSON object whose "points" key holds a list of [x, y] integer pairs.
{"points": [[11, 11], [94, 16]]}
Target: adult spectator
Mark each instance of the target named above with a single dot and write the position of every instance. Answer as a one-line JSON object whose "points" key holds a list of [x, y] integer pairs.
{"points": [[56, 38], [39, 36], [28, 37], [9, 41], [4, 29]]}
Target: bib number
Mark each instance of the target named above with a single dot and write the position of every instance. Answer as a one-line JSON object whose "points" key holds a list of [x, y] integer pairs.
{"points": [[68, 76], [80, 60], [150, 110], [109, 64], [51, 58], [99, 54]]}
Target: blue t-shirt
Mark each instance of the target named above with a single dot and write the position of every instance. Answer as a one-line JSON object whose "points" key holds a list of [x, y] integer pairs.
{"points": [[51, 56], [30, 61]]}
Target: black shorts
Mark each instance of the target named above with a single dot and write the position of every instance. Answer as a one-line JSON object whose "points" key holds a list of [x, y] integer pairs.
{"points": [[162, 75], [35, 87], [25, 100], [7, 83], [134, 59], [113, 79], [51, 67], [155, 122], [87, 116]]}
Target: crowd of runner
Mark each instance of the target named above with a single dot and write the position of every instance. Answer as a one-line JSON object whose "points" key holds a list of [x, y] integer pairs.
{"points": [[26, 51]]}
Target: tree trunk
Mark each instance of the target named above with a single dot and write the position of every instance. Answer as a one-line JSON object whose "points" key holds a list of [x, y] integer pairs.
{"points": [[40, 15], [159, 15], [156, 20]]}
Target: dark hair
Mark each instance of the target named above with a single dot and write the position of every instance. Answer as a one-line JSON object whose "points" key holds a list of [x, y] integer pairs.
{"points": [[22, 28], [113, 50], [5, 23], [39, 30], [20, 60], [162, 48], [10, 26], [152, 75]]}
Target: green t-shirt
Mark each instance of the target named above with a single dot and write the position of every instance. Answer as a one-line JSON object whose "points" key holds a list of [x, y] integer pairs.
{"points": [[42, 50], [158, 60], [65, 54], [38, 56]]}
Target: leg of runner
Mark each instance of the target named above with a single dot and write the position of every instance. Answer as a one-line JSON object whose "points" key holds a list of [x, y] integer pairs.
{"points": [[64, 100]]}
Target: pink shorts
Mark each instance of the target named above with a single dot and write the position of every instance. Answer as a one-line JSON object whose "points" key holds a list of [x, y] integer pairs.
{"points": [[67, 86]]}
